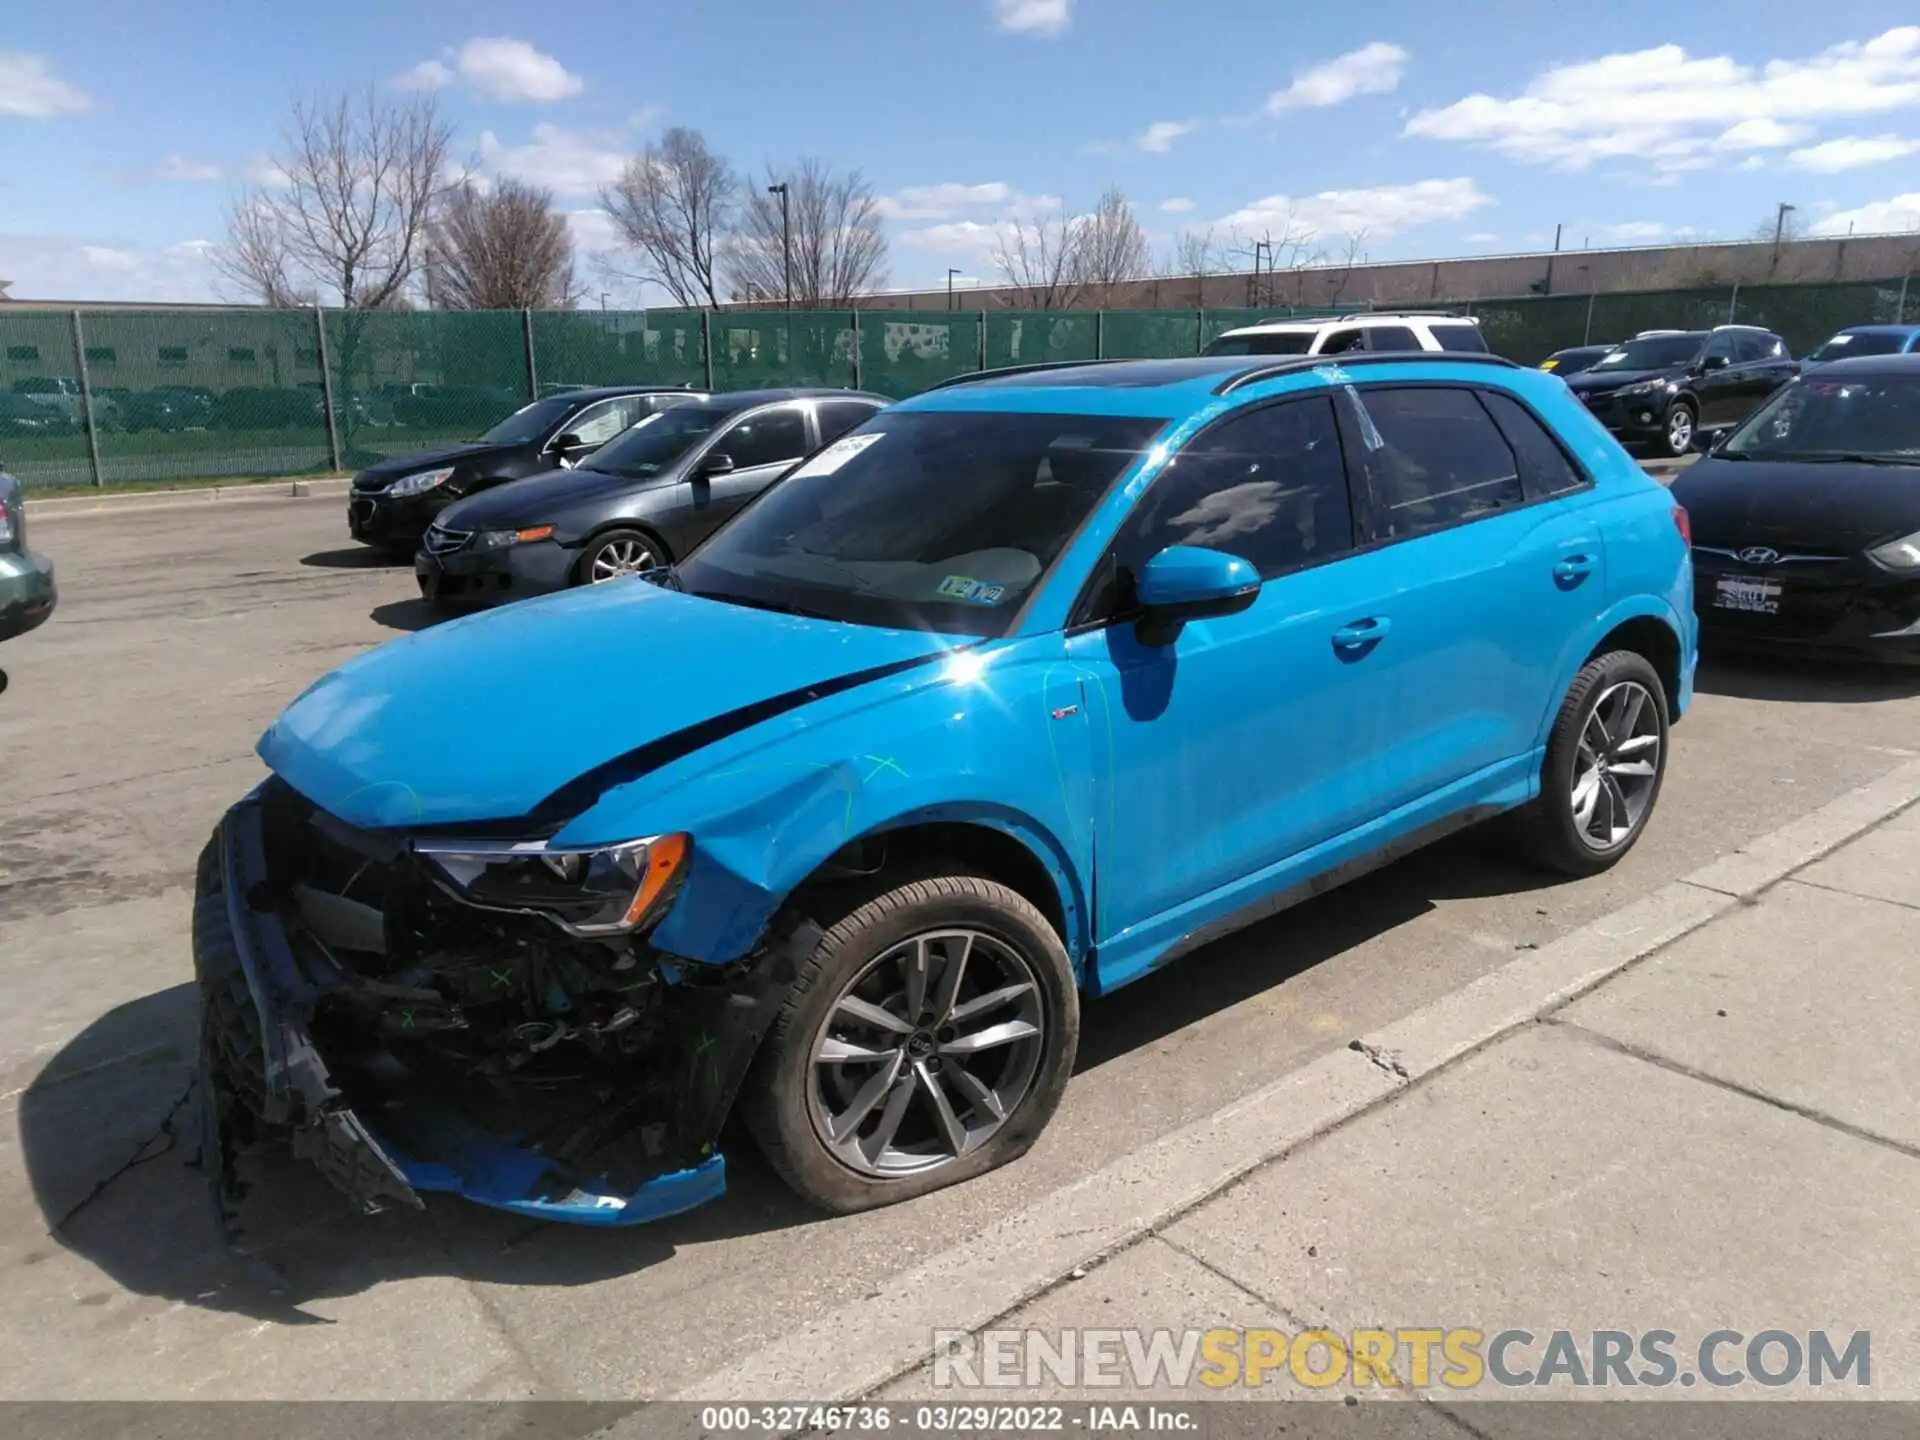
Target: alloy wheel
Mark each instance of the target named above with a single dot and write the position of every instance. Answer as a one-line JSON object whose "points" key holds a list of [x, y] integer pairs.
{"points": [[926, 1053], [1616, 766], [1680, 430], [617, 558]]}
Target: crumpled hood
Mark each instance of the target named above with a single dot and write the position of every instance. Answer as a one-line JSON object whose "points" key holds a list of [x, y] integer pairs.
{"points": [[483, 718], [398, 465]]}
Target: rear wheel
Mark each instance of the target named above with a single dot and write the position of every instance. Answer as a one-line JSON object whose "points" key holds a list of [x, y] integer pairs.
{"points": [[1606, 759], [617, 554], [927, 1040]]}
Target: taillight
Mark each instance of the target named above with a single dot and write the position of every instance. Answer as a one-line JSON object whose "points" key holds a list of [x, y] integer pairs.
{"points": [[1683, 524]]}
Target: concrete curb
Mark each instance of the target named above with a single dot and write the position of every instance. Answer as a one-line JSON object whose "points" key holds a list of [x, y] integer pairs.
{"points": [[855, 1350], [67, 507]]}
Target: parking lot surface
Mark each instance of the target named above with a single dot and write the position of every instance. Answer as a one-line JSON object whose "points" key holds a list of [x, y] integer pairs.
{"points": [[129, 726]]}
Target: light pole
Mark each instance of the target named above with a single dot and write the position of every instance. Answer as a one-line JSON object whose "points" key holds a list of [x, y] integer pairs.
{"points": [[786, 239], [1252, 289], [951, 272], [1779, 228], [1586, 335]]}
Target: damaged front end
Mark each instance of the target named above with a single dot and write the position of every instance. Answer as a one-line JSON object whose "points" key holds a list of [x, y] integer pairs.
{"points": [[480, 1017]]}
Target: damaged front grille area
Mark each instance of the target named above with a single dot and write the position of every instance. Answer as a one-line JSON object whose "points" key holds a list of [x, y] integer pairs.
{"points": [[411, 1039]]}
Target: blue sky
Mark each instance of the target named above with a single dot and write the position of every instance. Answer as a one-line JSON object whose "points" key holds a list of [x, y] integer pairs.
{"points": [[1426, 128]]}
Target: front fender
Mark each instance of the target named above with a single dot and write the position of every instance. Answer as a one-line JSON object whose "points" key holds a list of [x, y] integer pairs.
{"points": [[1003, 748]]}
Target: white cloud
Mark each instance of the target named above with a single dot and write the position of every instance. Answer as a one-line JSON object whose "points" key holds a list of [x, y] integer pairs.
{"points": [[30, 90], [1665, 108], [1158, 137], [1630, 232], [1877, 217], [1033, 17], [1752, 162], [1379, 211], [1370, 70], [500, 68], [264, 171], [1177, 205], [944, 201], [1482, 237], [1851, 152], [569, 162], [427, 75], [592, 230], [179, 167], [71, 267], [969, 237]]}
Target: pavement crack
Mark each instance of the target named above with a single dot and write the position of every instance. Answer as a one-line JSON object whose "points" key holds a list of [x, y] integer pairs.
{"points": [[1383, 1060], [141, 1154]]}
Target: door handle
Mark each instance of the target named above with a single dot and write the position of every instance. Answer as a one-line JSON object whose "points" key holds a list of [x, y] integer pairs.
{"points": [[1573, 569], [1361, 634]]}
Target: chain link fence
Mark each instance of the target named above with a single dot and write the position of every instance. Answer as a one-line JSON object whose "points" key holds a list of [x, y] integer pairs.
{"points": [[145, 396]]}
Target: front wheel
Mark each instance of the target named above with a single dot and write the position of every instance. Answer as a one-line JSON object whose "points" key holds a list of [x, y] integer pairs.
{"points": [[927, 1040], [1606, 759], [616, 554], [1681, 431]]}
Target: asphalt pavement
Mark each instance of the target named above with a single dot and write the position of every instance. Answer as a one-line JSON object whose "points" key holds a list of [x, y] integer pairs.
{"points": [[128, 728]]}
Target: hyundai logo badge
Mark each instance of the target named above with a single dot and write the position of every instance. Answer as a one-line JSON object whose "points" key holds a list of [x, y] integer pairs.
{"points": [[1758, 555]]}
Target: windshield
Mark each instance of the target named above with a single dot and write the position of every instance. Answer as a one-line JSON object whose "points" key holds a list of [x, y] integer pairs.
{"points": [[1873, 417], [1849, 343], [1284, 342], [928, 520], [656, 442], [1656, 352], [528, 423]]}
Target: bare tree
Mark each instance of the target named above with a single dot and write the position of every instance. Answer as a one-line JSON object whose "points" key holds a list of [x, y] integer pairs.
{"points": [[1340, 264], [1112, 247], [362, 174], [675, 206], [831, 228], [1288, 247], [505, 249], [1041, 258], [1194, 255]]}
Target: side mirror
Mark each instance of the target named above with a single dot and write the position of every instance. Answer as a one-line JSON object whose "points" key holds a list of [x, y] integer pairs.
{"points": [[569, 441], [718, 463], [1713, 362], [1188, 582]]}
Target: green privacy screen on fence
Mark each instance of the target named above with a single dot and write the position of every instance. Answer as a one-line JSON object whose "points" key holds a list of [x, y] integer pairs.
{"points": [[189, 394]]}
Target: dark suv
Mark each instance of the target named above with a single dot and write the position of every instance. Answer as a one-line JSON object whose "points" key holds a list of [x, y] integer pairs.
{"points": [[1668, 387]]}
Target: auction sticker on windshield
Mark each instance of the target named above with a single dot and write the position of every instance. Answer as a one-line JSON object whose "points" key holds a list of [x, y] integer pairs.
{"points": [[1757, 597], [837, 454], [974, 592]]}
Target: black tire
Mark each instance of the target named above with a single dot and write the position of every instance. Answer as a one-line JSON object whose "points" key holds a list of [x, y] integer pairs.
{"points": [[1545, 830], [1666, 444], [607, 540], [775, 1103]]}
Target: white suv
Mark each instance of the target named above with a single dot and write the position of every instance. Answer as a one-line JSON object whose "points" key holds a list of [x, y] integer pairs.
{"points": [[1353, 332]]}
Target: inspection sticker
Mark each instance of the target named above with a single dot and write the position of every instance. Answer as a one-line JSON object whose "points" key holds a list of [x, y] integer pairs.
{"points": [[974, 592], [837, 454]]}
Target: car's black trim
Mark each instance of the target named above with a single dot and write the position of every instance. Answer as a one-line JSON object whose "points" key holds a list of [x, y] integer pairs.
{"points": [[1346, 359], [583, 790]]}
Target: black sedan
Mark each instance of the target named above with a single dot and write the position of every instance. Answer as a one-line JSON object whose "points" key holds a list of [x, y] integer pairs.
{"points": [[641, 501], [392, 503], [1580, 357], [1806, 519]]}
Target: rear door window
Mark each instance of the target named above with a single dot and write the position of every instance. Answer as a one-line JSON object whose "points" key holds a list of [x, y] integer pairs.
{"points": [[839, 416], [1544, 466], [1339, 341], [1432, 457], [1392, 337], [1462, 339]]}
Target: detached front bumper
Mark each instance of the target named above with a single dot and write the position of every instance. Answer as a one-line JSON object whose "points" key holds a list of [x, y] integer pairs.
{"points": [[263, 1078], [27, 592]]}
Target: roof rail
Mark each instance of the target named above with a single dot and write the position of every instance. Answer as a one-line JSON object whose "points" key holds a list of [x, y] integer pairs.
{"points": [[973, 375], [1346, 359]]}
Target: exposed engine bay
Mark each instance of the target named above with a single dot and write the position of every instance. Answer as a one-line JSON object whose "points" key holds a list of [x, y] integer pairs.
{"points": [[483, 1017]]}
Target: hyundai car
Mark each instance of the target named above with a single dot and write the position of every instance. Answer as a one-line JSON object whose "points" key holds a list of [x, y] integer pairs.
{"points": [[1806, 519], [391, 503], [1017, 692]]}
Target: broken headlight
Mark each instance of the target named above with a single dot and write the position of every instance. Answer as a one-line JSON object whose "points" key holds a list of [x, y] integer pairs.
{"points": [[593, 891]]}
